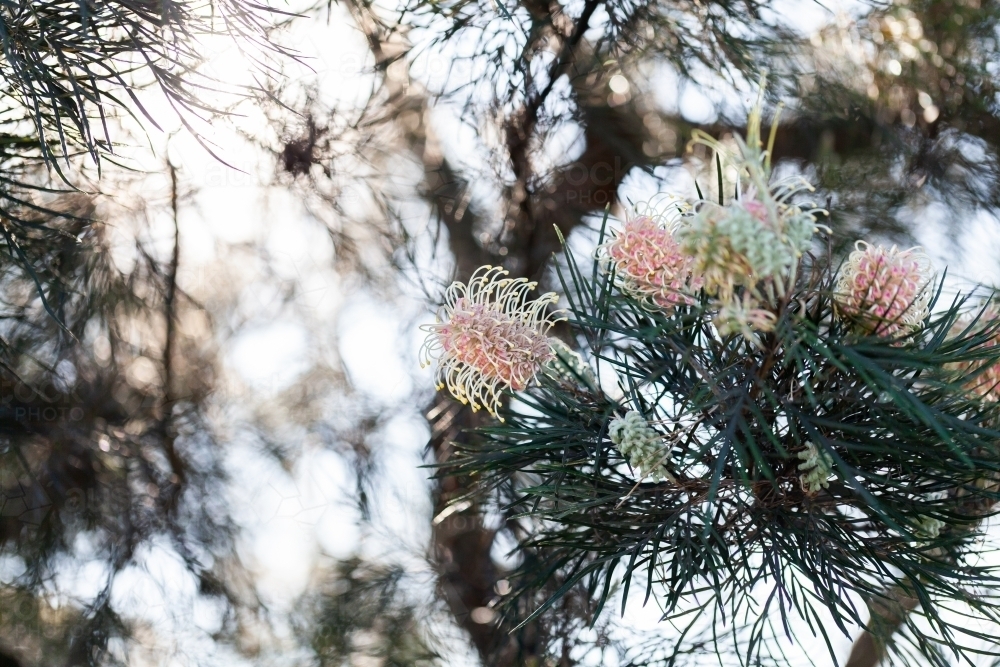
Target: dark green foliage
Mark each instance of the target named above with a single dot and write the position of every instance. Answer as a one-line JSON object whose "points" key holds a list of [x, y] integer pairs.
{"points": [[735, 542]]}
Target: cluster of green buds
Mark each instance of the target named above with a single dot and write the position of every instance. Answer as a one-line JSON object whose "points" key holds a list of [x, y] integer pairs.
{"points": [[641, 444], [568, 366], [816, 469], [756, 239]]}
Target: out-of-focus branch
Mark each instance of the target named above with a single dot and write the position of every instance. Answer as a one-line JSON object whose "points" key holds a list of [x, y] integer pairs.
{"points": [[7, 660], [887, 616], [443, 187], [521, 130], [461, 542], [177, 465]]}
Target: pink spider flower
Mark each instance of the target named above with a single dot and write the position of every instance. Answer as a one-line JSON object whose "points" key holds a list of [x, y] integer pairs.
{"points": [[488, 337], [885, 290], [650, 265], [983, 379]]}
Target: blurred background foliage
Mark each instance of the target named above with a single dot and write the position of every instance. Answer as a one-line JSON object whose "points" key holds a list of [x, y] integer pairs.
{"points": [[476, 127]]}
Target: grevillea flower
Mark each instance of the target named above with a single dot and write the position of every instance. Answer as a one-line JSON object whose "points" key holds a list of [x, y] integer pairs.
{"points": [[649, 264], [489, 337], [885, 291], [756, 241], [983, 378]]}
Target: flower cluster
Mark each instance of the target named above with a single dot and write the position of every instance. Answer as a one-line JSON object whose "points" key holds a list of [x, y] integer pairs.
{"points": [[649, 264], [885, 291], [641, 444], [747, 242], [745, 255], [489, 337], [816, 468], [662, 261]]}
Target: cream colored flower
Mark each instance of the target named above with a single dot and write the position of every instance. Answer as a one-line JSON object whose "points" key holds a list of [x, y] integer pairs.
{"points": [[885, 291], [649, 264], [489, 337], [757, 240], [747, 242], [743, 316]]}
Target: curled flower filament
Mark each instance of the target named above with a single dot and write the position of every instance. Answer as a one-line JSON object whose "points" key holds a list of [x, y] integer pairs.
{"points": [[489, 336]]}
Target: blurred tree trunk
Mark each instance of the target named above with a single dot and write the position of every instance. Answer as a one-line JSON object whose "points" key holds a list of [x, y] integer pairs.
{"points": [[887, 617]]}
